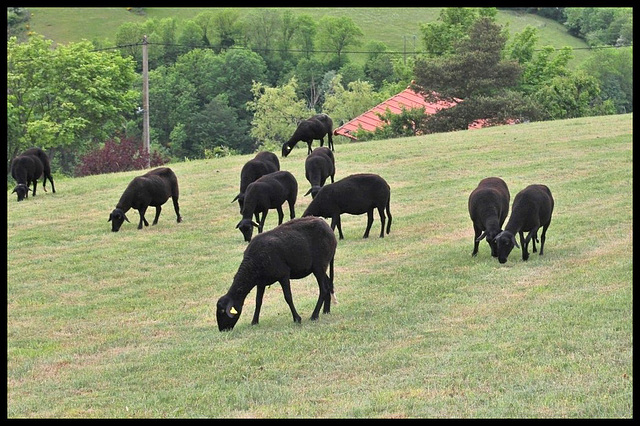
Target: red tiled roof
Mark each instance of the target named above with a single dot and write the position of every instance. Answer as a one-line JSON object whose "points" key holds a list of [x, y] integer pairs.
{"points": [[408, 99]]}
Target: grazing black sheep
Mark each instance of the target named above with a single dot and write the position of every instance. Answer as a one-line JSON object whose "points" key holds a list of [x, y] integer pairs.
{"points": [[268, 192], [488, 208], [151, 189], [319, 165], [315, 127], [46, 166], [25, 169], [354, 194], [263, 163], [531, 210], [292, 250]]}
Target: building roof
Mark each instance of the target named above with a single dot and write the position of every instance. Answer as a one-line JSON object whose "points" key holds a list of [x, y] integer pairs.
{"points": [[408, 99]]}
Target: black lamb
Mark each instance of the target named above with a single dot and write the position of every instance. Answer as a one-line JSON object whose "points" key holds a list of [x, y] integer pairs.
{"points": [[25, 169], [46, 166], [293, 250], [316, 127], [319, 165], [355, 194], [151, 189], [488, 208], [263, 163], [532, 209], [268, 192]]}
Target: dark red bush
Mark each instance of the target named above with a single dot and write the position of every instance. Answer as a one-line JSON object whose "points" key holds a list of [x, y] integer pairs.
{"points": [[114, 156]]}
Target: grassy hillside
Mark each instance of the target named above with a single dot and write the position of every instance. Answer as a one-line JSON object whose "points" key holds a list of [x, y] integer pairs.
{"points": [[122, 325], [389, 25]]}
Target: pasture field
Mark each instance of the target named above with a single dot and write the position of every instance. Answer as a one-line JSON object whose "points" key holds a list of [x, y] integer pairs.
{"points": [[122, 325]]}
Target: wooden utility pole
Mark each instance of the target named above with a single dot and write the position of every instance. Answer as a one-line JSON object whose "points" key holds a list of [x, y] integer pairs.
{"points": [[145, 100]]}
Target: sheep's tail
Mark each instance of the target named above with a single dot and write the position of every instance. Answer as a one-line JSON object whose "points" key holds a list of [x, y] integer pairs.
{"points": [[389, 213], [331, 291]]}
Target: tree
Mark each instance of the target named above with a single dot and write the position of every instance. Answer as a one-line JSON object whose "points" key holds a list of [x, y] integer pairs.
{"points": [[575, 95], [307, 29], [453, 24], [335, 34], [343, 104], [467, 79], [378, 67], [613, 68], [276, 113], [66, 99], [226, 29]]}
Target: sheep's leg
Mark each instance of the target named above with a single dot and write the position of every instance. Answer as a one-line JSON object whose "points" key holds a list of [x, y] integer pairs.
{"points": [[524, 242], [292, 208], [309, 143], [155, 219], [286, 290], [261, 223], [369, 223], [280, 215], [535, 240], [476, 233], [176, 207], [335, 222], [256, 313], [382, 220], [543, 237], [53, 188], [322, 296], [142, 211], [389, 218], [35, 183]]}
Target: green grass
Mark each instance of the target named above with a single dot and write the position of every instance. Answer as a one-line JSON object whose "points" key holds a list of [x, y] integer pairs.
{"points": [[396, 27], [122, 325]]}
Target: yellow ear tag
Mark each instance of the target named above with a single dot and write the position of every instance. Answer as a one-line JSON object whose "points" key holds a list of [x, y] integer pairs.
{"points": [[233, 311]]}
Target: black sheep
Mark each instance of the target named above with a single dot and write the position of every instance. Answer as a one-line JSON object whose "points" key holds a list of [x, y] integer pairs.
{"points": [[151, 189], [488, 208], [25, 169], [355, 194], [46, 166], [532, 209], [263, 163], [293, 250], [319, 165], [315, 127], [268, 192]]}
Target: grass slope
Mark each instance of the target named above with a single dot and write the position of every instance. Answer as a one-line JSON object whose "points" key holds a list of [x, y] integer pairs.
{"points": [[122, 325], [396, 27]]}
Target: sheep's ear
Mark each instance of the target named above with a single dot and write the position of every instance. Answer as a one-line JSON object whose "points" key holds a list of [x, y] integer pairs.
{"points": [[308, 192], [230, 310], [484, 234], [255, 224], [126, 218], [513, 238], [110, 216], [14, 190], [238, 225], [235, 198]]}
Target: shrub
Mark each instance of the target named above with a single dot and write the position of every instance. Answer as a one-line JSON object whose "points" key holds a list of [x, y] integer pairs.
{"points": [[118, 156]]}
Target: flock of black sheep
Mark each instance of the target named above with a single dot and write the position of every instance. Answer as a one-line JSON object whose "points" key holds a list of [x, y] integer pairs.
{"points": [[306, 245]]}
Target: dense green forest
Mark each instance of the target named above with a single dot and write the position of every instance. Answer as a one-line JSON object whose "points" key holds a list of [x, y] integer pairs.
{"points": [[237, 80]]}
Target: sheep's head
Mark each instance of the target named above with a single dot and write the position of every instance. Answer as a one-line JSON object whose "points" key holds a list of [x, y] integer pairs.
{"points": [[227, 314], [117, 217], [246, 227], [286, 149], [491, 239], [22, 190], [504, 241]]}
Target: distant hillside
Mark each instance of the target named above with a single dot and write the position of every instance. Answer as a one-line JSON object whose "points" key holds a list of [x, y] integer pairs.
{"points": [[398, 28]]}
